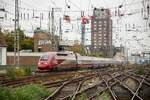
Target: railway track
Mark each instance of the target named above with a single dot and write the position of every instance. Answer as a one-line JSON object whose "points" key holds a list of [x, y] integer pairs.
{"points": [[115, 84], [44, 78]]}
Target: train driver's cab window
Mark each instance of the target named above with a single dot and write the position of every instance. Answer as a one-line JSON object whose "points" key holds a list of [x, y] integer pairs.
{"points": [[44, 58]]}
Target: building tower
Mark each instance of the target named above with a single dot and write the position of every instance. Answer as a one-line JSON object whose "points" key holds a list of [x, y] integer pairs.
{"points": [[101, 32]]}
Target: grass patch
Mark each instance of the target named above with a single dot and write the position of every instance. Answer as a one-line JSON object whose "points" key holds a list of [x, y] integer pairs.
{"points": [[11, 73], [105, 96], [15, 72], [27, 71], [83, 96], [28, 92], [31, 92], [140, 71], [6, 94]]}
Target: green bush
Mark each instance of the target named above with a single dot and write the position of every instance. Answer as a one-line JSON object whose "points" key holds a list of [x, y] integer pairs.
{"points": [[11, 73], [28, 92], [19, 72], [6, 94], [14, 72], [27, 71]]}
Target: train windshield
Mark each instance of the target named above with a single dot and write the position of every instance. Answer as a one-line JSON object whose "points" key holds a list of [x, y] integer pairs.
{"points": [[44, 58]]}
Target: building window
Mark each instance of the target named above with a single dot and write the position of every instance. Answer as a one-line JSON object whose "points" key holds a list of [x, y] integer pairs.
{"points": [[95, 28], [104, 28], [105, 24], [100, 37], [100, 41], [100, 25], [95, 35], [104, 31], [100, 34]]}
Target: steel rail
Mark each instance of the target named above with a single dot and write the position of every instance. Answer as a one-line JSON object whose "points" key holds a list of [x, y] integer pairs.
{"points": [[134, 77], [94, 86], [125, 86], [99, 92], [140, 85], [54, 94], [109, 88], [78, 88]]}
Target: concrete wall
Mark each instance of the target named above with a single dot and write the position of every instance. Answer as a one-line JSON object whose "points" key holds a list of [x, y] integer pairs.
{"points": [[25, 58], [3, 55]]}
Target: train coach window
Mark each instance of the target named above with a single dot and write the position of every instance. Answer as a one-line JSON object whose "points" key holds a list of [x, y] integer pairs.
{"points": [[62, 54], [44, 58]]}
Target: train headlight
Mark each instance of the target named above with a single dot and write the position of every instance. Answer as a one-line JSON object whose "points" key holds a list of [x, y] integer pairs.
{"points": [[46, 63], [39, 63]]}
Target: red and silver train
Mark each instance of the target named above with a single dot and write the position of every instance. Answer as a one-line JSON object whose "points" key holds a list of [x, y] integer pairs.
{"points": [[67, 59]]}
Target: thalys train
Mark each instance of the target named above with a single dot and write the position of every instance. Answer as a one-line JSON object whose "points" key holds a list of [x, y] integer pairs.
{"points": [[67, 59]]}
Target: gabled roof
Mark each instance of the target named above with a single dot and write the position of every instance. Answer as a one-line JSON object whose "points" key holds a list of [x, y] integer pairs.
{"points": [[2, 40]]}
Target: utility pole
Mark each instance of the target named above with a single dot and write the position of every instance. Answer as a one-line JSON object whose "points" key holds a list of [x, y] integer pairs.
{"points": [[49, 28], [16, 34], [40, 20], [83, 30], [52, 29], [60, 29]]}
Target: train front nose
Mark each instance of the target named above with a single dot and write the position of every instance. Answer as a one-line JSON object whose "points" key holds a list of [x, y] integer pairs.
{"points": [[43, 65], [47, 62]]}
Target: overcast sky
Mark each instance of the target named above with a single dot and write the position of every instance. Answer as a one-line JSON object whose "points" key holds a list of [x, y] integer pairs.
{"points": [[120, 25]]}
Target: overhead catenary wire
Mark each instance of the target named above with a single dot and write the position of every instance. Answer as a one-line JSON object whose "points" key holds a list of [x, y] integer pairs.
{"points": [[45, 10]]}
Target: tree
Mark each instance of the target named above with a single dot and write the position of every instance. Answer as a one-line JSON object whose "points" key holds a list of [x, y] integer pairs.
{"points": [[78, 49], [27, 43], [9, 38], [24, 41]]}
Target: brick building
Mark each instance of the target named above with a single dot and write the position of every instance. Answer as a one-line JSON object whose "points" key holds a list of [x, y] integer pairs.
{"points": [[43, 41], [101, 32]]}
